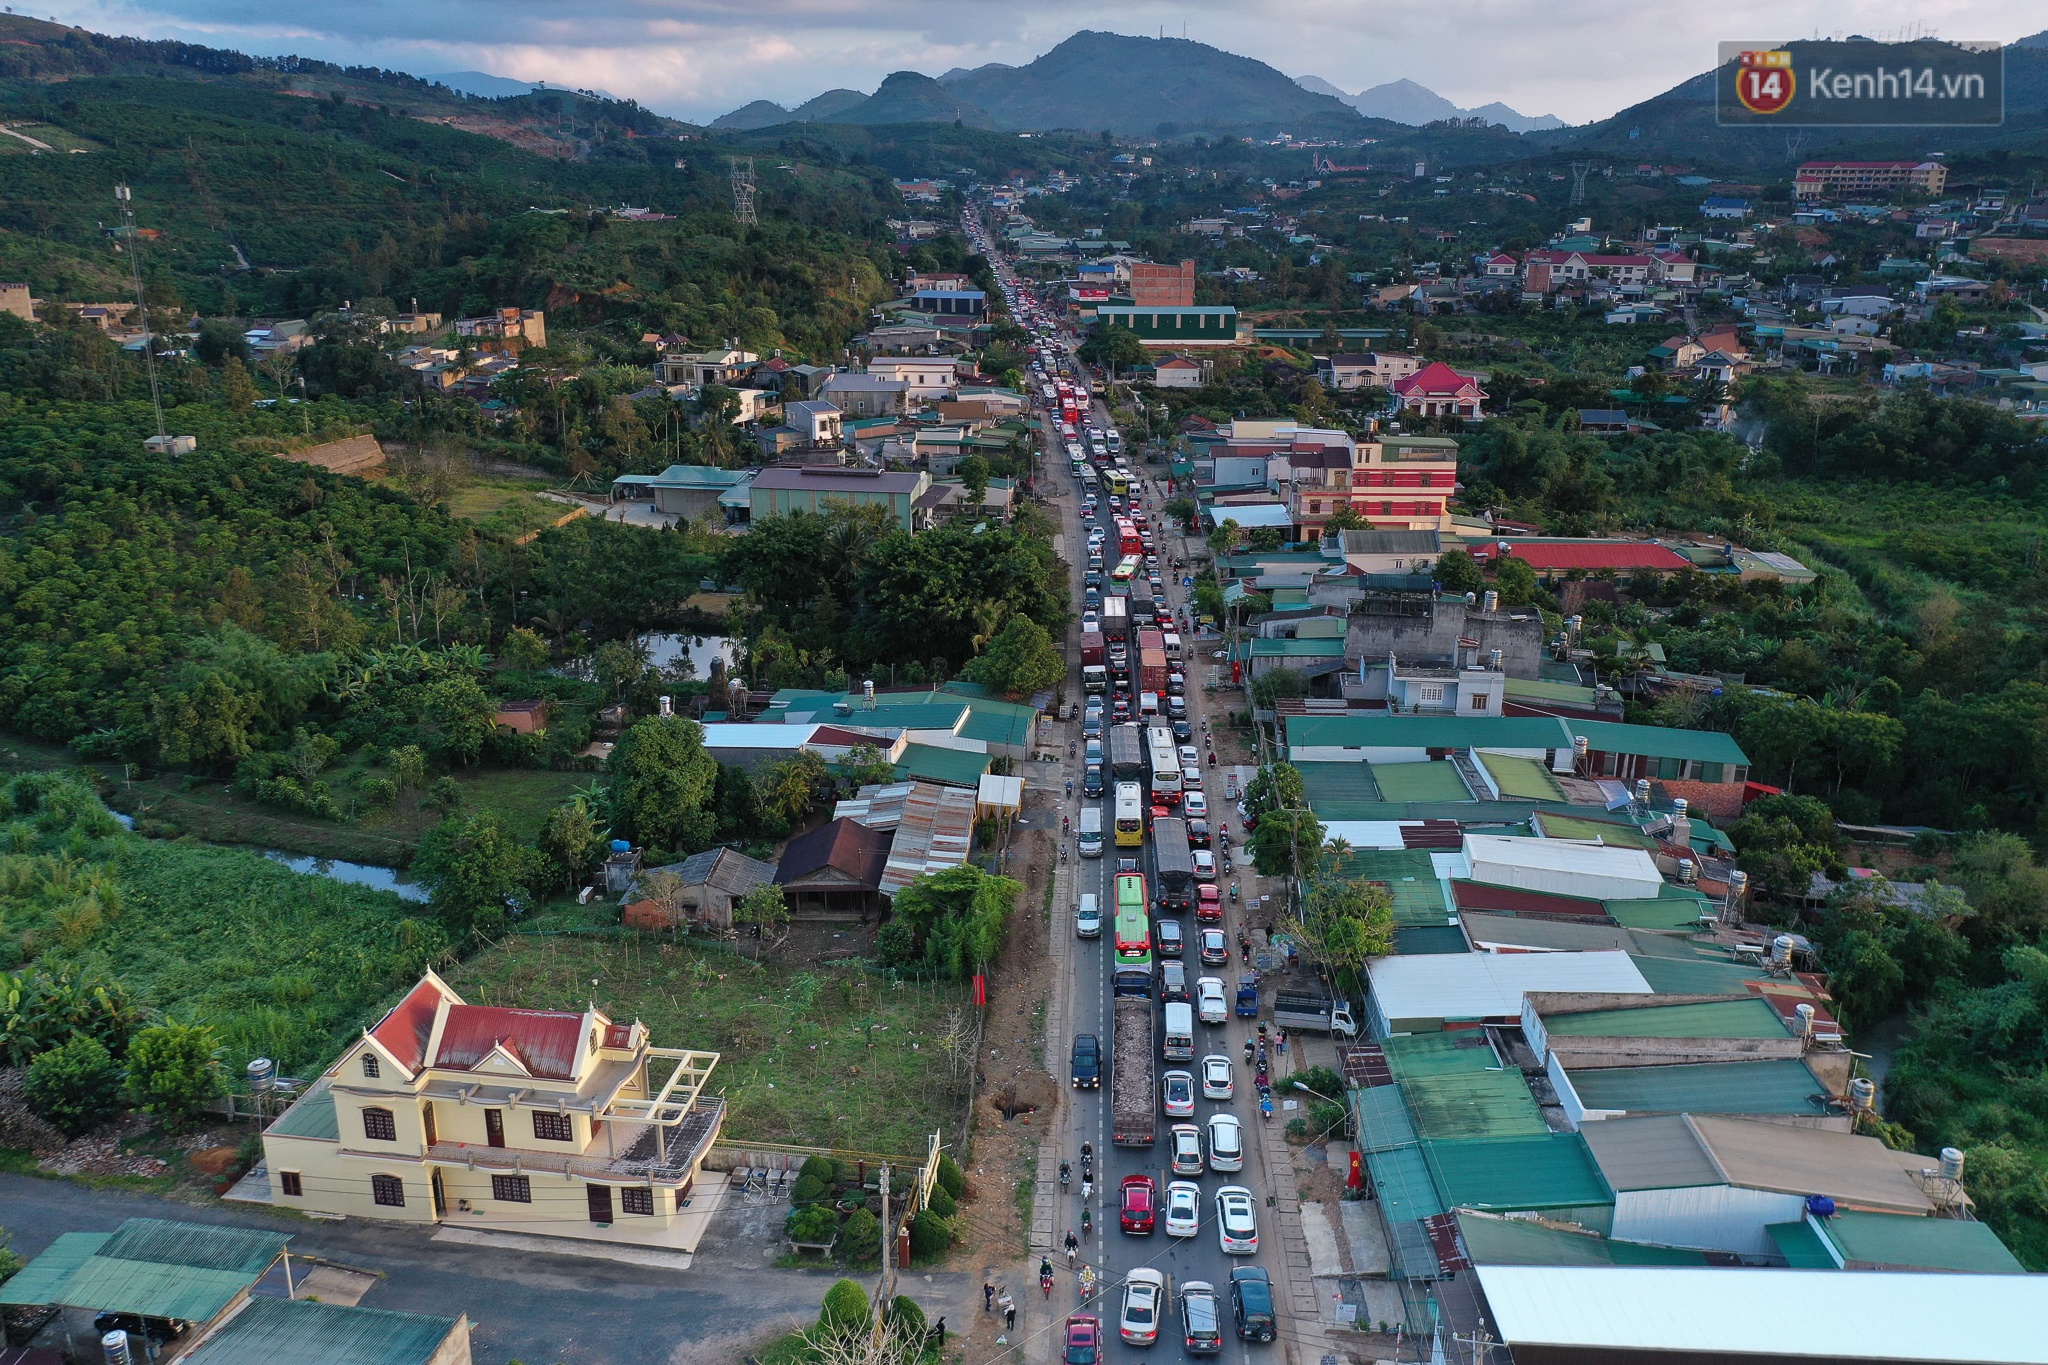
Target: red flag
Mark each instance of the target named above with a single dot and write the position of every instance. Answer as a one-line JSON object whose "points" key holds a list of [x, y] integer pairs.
{"points": [[1356, 1180], [980, 989]]}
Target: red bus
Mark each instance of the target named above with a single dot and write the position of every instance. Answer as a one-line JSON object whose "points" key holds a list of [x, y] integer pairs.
{"points": [[1128, 540]]}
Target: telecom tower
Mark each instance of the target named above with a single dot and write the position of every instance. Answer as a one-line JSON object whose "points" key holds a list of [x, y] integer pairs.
{"points": [[1580, 170], [743, 192], [156, 397]]}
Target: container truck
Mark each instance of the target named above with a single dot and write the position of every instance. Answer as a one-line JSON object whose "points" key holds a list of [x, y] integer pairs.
{"points": [[1091, 647], [1131, 1081], [1116, 619], [1151, 639], [1126, 753], [1174, 862], [1152, 670]]}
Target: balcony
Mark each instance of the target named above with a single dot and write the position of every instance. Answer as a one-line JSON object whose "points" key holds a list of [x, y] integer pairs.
{"points": [[624, 1150]]}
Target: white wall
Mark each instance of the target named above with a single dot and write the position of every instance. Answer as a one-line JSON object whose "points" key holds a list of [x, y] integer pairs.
{"points": [[1711, 1217]]}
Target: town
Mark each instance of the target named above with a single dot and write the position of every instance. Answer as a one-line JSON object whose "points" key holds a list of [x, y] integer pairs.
{"points": [[1346, 729]]}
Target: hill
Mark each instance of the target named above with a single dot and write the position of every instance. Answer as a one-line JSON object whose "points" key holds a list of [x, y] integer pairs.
{"points": [[1404, 101], [828, 106], [908, 97], [759, 114]]}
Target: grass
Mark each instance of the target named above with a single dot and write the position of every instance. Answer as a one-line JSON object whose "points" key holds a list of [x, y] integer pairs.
{"points": [[827, 1056]]}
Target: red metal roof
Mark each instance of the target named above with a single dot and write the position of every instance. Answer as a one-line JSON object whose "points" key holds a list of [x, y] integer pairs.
{"points": [[1597, 554], [1514, 900], [546, 1042], [404, 1032], [1364, 1065]]}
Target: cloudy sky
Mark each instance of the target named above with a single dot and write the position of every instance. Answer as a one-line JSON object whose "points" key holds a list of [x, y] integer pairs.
{"points": [[699, 58]]}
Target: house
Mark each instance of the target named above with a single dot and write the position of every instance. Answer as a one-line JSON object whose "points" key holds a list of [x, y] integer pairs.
{"points": [[1180, 372], [1501, 266], [548, 1123], [505, 329], [1676, 353], [835, 871], [1958, 287], [1387, 552], [1173, 327], [695, 369], [866, 395], [1859, 179], [1554, 558], [923, 377], [706, 886], [777, 491], [1372, 370], [1431, 686], [1721, 206], [1705, 767], [14, 298], [1446, 630], [691, 491], [1607, 422], [968, 303], [1860, 301], [523, 717], [816, 423], [282, 337], [1425, 738], [1437, 390]]}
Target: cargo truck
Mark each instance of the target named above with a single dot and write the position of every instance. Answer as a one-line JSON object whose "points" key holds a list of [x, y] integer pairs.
{"points": [[1174, 862], [1314, 1011], [1152, 671], [1126, 753], [1091, 648], [1131, 1082], [1116, 619], [1151, 639]]}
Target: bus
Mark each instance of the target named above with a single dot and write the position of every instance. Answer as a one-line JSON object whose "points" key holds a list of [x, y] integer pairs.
{"points": [[1164, 764], [1130, 815], [1117, 482], [1133, 919], [1129, 540], [1125, 571]]}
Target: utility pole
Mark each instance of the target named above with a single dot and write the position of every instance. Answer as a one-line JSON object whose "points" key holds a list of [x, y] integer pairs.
{"points": [[885, 1291], [156, 398]]}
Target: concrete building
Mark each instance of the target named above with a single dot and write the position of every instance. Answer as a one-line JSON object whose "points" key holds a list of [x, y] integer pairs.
{"points": [[695, 369], [1162, 286], [552, 1123], [505, 329], [1437, 390], [924, 377], [1411, 627], [1370, 370], [14, 298], [1173, 327], [693, 491], [777, 491], [866, 395], [968, 303], [1859, 179]]}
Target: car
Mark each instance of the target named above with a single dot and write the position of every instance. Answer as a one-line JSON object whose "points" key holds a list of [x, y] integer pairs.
{"points": [[1091, 624], [1183, 1208], [1210, 1005], [1091, 723], [1177, 1090], [1182, 730], [1144, 1288], [1086, 1066], [1214, 947], [1216, 1081], [1190, 757], [1173, 981], [1091, 781], [1185, 1140], [1154, 579], [1092, 751], [1208, 901], [1251, 1303], [1197, 804], [1166, 936], [1201, 1318], [1092, 580], [1084, 1341], [1120, 708], [1191, 779], [1177, 684], [1205, 862], [1137, 1204], [1151, 561], [1237, 1226], [1226, 1143], [1088, 918], [1198, 834]]}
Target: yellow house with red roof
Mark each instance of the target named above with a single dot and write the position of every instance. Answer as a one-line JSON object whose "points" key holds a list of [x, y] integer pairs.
{"points": [[555, 1123]]}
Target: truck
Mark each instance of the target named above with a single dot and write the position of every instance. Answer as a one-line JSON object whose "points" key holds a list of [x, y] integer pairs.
{"points": [[1126, 753], [1091, 647], [1248, 997], [1151, 639], [1314, 1010], [1131, 1081], [1116, 619], [1152, 671], [1174, 862]]}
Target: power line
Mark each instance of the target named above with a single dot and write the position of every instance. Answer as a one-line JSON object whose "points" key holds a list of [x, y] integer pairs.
{"points": [[125, 199]]}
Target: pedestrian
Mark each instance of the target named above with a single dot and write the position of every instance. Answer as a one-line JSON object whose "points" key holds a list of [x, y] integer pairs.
{"points": [[939, 1335], [1010, 1317], [1281, 1035], [988, 1296]]}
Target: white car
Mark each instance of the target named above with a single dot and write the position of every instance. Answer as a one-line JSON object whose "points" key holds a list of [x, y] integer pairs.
{"points": [[1190, 756], [1205, 860], [1210, 1008], [1226, 1143], [1144, 1290], [1216, 1082], [1186, 1141], [1177, 1093], [1088, 922], [1237, 1227], [1197, 806], [1183, 1208], [1190, 778]]}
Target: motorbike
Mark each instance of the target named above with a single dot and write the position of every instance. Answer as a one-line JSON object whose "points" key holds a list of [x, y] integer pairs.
{"points": [[1233, 893], [1045, 1278], [1063, 853], [1070, 786], [1066, 1175], [1247, 1052], [1066, 825], [1087, 1188], [1087, 1224]]}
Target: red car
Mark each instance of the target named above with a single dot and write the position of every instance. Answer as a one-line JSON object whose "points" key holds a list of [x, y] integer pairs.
{"points": [[1084, 1341], [1208, 903], [1138, 1204]]}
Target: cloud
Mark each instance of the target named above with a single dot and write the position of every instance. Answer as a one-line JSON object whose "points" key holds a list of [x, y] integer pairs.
{"points": [[698, 58]]}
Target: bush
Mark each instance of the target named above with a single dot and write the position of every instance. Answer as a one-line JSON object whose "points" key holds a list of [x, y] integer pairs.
{"points": [[808, 1190], [930, 1235], [845, 1309], [379, 791], [904, 1317], [815, 1223], [822, 1169], [1318, 1080], [942, 1203], [951, 1178], [860, 1238], [171, 1070], [74, 1088], [1325, 1120]]}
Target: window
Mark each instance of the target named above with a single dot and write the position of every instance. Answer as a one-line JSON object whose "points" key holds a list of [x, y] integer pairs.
{"points": [[1480, 700], [378, 1124], [289, 1183], [513, 1189], [1386, 509], [636, 1199], [371, 1066], [553, 1128], [1431, 694], [387, 1190]]}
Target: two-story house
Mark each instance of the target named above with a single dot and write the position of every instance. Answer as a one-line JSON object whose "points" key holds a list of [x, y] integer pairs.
{"points": [[1437, 390], [923, 376], [698, 368], [1397, 483], [556, 1123], [1369, 370]]}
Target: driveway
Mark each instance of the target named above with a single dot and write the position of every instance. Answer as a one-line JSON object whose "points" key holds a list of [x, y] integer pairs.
{"points": [[527, 1307]]}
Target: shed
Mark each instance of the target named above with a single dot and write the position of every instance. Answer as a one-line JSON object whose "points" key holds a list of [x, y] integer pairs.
{"points": [[1423, 994], [151, 1267], [1562, 867], [835, 871], [307, 1332], [712, 882], [999, 798], [1855, 1240]]}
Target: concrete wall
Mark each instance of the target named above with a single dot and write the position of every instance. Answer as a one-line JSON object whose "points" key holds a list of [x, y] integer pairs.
{"points": [[1371, 637]]}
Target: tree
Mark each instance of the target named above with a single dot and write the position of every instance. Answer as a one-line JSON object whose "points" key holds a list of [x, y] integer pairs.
{"points": [[1277, 786], [1346, 921], [1276, 683], [74, 1088], [1344, 518], [1223, 539], [474, 868], [1515, 580], [860, 1238], [845, 1310], [570, 841], [951, 922], [1114, 346], [173, 1072], [763, 910], [865, 766], [789, 787], [237, 389], [661, 784], [1456, 571], [465, 716], [1286, 841], [1021, 659], [525, 650], [974, 474]]}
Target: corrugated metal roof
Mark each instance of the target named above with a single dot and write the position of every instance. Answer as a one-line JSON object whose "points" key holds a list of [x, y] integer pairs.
{"points": [[546, 1042], [1673, 976], [1485, 896], [1897, 1241], [1517, 1241], [1547, 934], [1334, 790], [943, 764], [1428, 1055], [1429, 732], [1657, 913], [1727, 1312], [1427, 781], [42, 1280], [1762, 1155], [1805, 1249], [1413, 939], [1551, 1171], [1770, 1085], [1477, 1104], [1522, 778], [311, 1115], [1491, 985], [1409, 876], [935, 832], [1735, 1018], [306, 1332], [1558, 556], [1517, 862], [1658, 741], [153, 1290], [1653, 1152], [151, 1266], [204, 1246], [1382, 1118]]}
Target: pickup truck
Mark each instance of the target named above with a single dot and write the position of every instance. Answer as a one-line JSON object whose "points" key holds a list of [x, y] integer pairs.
{"points": [[1314, 1012], [1247, 997]]}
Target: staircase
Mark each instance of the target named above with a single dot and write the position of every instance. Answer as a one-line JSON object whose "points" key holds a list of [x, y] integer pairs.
{"points": [[1468, 771]]}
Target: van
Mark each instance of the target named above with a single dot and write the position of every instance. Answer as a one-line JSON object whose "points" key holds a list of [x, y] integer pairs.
{"points": [[1173, 980], [1091, 838], [1148, 703], [1178, 1044]]}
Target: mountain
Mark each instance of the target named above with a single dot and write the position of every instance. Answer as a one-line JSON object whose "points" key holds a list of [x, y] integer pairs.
{"points": [[909, 97], [480, 83], [759, 114], [1149, 85], [1404, 101], [957, 72], [827, 107]]}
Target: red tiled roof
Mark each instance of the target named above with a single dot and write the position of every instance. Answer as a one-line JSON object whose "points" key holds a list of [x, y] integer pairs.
{"points": [[1597, 554], [404, 1032], [546, 1042], [1435, 377]]}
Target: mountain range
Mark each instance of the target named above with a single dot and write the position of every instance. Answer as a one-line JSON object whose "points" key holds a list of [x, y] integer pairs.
{"points": [[487, 86], [1404, 101]]}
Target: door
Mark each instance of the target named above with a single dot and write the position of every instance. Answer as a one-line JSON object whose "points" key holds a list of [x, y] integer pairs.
{"points": [[440, 1195], [427, 1121], [600, 1202], [494, 1127]]}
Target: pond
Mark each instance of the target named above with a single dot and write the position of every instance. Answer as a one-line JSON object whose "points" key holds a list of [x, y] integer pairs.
{"points": [[357, 874]]}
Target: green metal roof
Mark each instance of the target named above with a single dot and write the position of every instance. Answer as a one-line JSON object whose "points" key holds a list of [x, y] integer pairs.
{"points": [[1517, 1241], [1415, 1056], [1288, 647], [150, 1266], [306, 1332], [1800, 1245], [205, 1246], [1381, 1115], [1774, 1085], [1522, 777], [1535, 689], [44, 1278], [995, 722], [1409, 875], [1746, 1017], [1905, 1240], [1657, 741], [1415, 940], [954, 767], [1659, 913], [1429, 732], [1669, 976], [1401, 1176], [1475, 1104], [1335, 790], [1615, 833], [1426, 781], [1552, 1171], [312, 1117]]}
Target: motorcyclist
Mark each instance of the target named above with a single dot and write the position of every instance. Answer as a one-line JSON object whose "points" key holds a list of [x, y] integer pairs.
{"points": [[1066, 1173], [1073, 1244]]}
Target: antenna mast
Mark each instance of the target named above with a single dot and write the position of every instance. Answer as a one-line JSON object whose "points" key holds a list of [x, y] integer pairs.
{"points": [[743, 192], [156, 397]]}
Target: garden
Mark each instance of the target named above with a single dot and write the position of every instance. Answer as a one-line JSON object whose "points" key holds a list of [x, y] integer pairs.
{"points": [[836, 1207]]}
